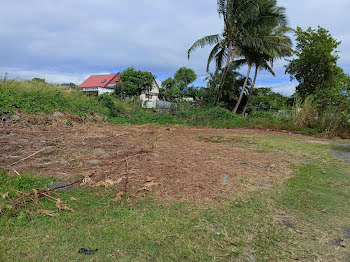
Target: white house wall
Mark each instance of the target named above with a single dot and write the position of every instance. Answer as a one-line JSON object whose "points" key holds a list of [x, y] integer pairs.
{"points": [[102, 91]]}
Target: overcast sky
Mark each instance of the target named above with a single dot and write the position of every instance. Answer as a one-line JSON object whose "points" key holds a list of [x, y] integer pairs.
{"points": [[66, 41]]}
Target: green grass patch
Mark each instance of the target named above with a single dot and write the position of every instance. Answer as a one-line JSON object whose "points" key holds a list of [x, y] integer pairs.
{"points": [[318, 192], [154, 230]]}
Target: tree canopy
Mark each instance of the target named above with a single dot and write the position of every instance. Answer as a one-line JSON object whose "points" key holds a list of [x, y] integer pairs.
{"points": [[134, 82], [316, 70], [174, 88]]}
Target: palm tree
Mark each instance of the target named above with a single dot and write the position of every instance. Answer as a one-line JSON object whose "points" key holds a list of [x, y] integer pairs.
{"points": [[261, 62], [271, 41], [239, 18], [244, 24]]}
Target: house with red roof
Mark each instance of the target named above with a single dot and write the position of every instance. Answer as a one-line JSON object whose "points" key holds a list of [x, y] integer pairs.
{"points": [[100, 84]]}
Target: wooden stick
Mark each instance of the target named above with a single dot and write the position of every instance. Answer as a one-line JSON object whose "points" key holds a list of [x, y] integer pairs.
{"points": [[28, 156], [16, 172]]}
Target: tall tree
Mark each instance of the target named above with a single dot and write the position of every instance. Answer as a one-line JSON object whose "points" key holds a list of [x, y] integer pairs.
{"points": [[245, 22], [273, 44], [239, 17], [183, 77], [315, 68]]}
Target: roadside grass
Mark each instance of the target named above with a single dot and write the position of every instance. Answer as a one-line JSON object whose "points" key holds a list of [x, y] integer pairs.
{"points": [[316, 200]]}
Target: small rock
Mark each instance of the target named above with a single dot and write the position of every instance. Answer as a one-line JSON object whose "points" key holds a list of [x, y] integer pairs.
{"points": [[4, 132], [49, 118], [94, 162], [101, 152], [225, 179], [59, 184], [58, 114], [264, 185], [15, 118], [21, 140], [5, 118], [346, 231], [337, 242], [251, 255], [216, 229], [286, 221], [64, 162], [49, 150]]}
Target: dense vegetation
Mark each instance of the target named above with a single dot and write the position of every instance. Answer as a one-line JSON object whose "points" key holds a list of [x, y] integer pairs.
{"points": [[34, 97]]}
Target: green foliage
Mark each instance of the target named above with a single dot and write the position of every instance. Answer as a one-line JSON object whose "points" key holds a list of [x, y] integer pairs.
{"points": [[175, 88], [169, 91], [230, 89], [36, 79], [183, 77], [134, 82], [36, 97], [114, 106], [20, 182], [266, 100], [315, 68]]}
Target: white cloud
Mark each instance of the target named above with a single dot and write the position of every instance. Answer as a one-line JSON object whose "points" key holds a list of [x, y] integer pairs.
{"points": [[63, 41], [284, 88]]}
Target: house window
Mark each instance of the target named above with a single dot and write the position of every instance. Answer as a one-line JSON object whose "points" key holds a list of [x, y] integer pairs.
{"points": [[148, 96]]}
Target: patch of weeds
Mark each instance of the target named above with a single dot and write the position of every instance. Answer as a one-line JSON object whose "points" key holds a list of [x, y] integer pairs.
{"points": [[69, 123], [244, 180]]}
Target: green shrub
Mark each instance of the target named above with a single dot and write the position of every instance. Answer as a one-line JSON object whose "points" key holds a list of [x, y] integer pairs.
{"points": [[35, 97]]}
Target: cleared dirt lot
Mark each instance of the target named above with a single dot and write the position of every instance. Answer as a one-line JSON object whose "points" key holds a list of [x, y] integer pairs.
{"points": [[178, 162]]}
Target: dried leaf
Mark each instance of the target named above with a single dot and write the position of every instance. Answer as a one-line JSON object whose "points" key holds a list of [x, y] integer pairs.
{"points": [[48, 213], [106, 183], [119, 180], [118, 197], [146, 189], [62, 206], [151, 184], [87, 182], [74, 199], [149, 179], [148, 186], [5, 195]]}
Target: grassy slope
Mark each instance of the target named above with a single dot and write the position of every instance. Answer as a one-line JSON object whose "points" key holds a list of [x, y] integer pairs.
{"points": [[316, 200], [36, 97]]}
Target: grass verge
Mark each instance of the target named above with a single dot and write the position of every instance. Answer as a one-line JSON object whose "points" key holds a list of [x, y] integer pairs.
{"points": [[315, 202]]}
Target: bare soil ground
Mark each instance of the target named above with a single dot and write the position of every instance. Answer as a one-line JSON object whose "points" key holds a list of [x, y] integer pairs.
{"points": [[179, 163]]}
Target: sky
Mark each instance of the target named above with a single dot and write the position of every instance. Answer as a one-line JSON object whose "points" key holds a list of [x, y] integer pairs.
{"points": [[66, 41]]}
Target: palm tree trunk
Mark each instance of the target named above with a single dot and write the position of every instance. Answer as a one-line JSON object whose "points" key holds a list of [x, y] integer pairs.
{"points": [[223, 77], [251, 91], [243, 89]]}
